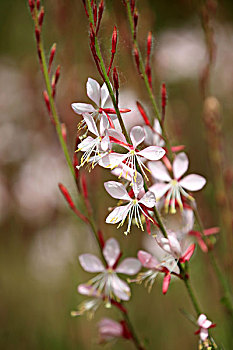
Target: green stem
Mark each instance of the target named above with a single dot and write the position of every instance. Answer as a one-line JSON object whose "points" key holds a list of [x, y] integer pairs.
{"points": [[145, 78], [134, 336]]}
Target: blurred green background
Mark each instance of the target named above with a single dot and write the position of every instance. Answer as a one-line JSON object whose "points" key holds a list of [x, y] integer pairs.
{"points": [[40, 239]]}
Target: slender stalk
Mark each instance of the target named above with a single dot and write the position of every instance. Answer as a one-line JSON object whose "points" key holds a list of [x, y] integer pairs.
{"points": [[145, 78], [134, 336]]}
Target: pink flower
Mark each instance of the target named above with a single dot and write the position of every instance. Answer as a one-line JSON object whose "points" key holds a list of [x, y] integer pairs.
{"points": [[204, 325], [134, 156], [107, 282], [176, 186], [135, 205], [110, 329]]}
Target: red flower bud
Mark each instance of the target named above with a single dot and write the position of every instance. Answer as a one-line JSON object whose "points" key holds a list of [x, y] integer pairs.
{"points": [[51, 57], [114, 40], [41, 16]]}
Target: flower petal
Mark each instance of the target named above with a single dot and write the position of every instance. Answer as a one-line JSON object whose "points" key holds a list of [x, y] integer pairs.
{"points": [[117, 190], [193, 182], [104, 95], [201, 319], [85, 144], [166, 282], [180, 165], [152, 153], [113, 160], [86, 289], [206, 324], [91, 263], [129, 266], [188, 253], [117, 135], [109, 329], [147, 260], [175, 246], [204, 334], [90, 124], [93, 90], [118, 214], [103, 125], [148, 199], [81, 108], [111, 251], [159, 171], [120, 288], [160, 189], [137, 135]]}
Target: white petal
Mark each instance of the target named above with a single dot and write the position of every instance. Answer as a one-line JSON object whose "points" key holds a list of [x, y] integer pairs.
{"points": [[147, 260], [180, 165], [138, 185], [90, 124], [201, 319], [117, 190], [114, 159], [148, 199], [105, 143], [193, 182], [137, 135], [103, 124], [81, 108], [159, 171], [204, 334], [149, 135], [152, 153], [93, 90], [206, 324], [175, 246], [129, 266], [120, 288], [91, 263], [104, 95], [118, 214], [85, 289], [160, 189], [85, 144], [117, 135], [158, 140], [111, 251]]}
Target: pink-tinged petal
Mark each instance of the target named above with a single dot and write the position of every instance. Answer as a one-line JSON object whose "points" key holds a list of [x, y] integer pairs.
{"points": [[90, 124], [111, 251], [129, 266], [120, 288], [204, 334], [211, 231], [117, 135], [104, 95], [206, 324], [201, 319], [160, 189], [137, 135], [193, 182], [103, 124], [113, 160], [148, 199], [159, 171], [91, 263], [149, 135], [188, 254], [166, 282], [117, 190], [147, 260], [93, 90], [118, 214], [85, 144], [180, 165], [105, 143], [85, 289], [175, 246], [81, 108], [152, 153], [109, 328]]}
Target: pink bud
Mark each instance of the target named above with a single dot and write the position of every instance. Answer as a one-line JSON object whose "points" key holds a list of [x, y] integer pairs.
{"points": [[37, 34], [51, 57], [41, 16], [114, 40], [31, 4], [46, 98], [38, 4], [166, 282], [136, 57], [64, 131]]}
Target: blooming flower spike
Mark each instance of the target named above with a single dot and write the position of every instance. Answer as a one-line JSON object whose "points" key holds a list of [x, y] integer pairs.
{"points": [[174, 187], [107, 282], [133, 209]]}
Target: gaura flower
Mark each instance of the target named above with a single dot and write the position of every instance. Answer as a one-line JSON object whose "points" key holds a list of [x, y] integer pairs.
{"points": [[100, 96], [107, 282], [110, 330], [88, 306], [204, 325], [154, 136], [134, 156], [174, 187], [137, 205]]}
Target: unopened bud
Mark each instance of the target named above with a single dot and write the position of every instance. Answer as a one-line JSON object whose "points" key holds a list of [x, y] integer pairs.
{"points": [[149, 44], [37, 34], [136, 57], [46, 98], [38, 4], [115, 79], [31, 4], [41, 16], [114, 40], [51, 56], [164, 95], [135, 22], [64, 131], [132, 5]]}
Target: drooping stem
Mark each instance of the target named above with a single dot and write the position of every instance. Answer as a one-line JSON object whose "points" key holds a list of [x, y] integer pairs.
{"points": [[146, 80]]}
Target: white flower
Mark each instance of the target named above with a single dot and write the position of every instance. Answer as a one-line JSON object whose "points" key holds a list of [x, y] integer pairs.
{"points": [[154, 137], [134, 156], [134, 208], [99, 95], [174, 186], [107, 282], [204, 325]]}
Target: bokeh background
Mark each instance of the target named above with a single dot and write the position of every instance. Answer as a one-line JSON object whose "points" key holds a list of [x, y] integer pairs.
{"points": [[40, 238]]}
